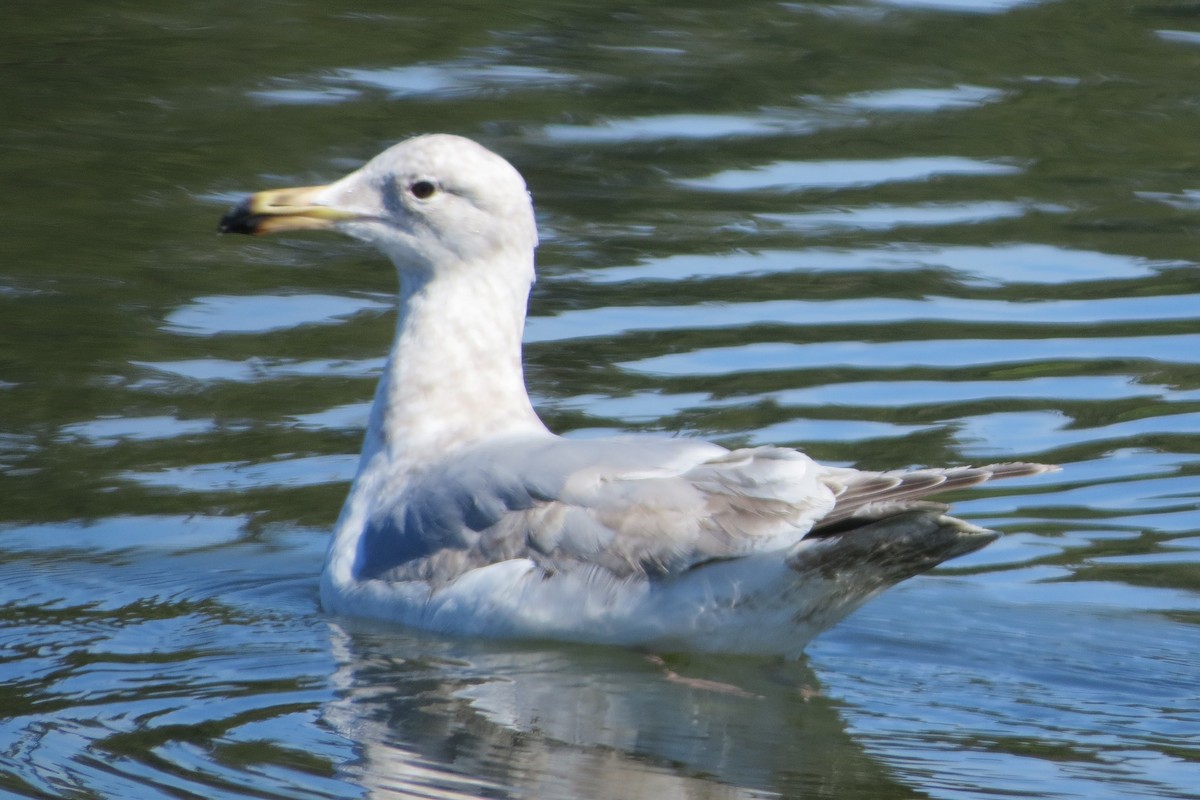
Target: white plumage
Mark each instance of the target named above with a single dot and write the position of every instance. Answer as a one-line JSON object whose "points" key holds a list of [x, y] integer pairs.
{"points": [[468, 516]]}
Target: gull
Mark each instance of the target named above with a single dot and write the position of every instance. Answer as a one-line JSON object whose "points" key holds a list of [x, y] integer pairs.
{"points": [[467, 516]]}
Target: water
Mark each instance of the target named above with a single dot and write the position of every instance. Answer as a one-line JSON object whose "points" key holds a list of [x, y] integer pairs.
{"points": [[905, 232]]}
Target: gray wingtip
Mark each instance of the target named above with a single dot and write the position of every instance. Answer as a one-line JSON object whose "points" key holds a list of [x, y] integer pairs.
{"points": [[1020, 469]]}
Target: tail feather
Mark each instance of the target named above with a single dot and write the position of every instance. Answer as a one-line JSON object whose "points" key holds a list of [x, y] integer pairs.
{"points": [[892, 549], [881, 531], [856, 566]]}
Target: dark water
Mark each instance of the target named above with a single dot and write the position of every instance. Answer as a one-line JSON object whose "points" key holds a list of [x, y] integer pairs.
{"points": [[892, 233]]}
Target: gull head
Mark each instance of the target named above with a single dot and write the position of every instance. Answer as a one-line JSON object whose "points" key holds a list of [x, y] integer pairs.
{"points": [[432, 204]]}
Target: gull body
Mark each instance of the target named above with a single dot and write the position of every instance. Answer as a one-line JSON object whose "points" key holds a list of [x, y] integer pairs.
{"points": [[468, 516]]}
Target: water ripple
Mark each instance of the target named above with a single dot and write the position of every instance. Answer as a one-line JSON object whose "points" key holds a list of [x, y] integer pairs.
{"points": [[805, 175], [232, 476], [224, 314], [946, 353], [992, 265], [614, 320], [879, 217]]}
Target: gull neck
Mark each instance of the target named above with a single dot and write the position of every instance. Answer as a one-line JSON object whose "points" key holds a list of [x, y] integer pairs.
{"points": [[454, 375]]}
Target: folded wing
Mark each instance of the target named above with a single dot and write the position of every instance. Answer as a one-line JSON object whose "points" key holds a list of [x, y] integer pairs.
{"points": [[633, 507]]}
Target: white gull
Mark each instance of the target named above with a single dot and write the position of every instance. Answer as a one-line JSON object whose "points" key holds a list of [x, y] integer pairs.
{"points": [[468, 516]]}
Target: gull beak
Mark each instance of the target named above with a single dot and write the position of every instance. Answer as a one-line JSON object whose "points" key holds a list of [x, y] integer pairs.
{"points": [[283, 210]]}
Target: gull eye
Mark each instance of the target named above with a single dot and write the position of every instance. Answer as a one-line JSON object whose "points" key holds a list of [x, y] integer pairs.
{"points": [[422, 190]]}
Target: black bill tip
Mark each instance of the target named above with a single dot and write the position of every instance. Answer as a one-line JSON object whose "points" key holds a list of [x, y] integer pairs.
{"points": [[240, 219]]}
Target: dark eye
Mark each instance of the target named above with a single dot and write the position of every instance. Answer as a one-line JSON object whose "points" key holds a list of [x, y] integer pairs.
{"points": [[422, 190]]}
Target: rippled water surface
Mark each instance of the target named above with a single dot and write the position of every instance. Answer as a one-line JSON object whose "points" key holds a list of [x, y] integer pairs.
{"points": [[891, 232]]}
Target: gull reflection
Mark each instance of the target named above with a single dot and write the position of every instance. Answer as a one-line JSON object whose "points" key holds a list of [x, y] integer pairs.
{"points": [[452, 718]]}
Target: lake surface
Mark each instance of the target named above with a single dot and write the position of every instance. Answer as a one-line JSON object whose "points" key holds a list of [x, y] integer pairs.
{"points": [[890, 232]]}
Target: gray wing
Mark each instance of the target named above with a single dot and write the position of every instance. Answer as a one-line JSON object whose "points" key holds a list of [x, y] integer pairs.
{"points": [[632, 506]]}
